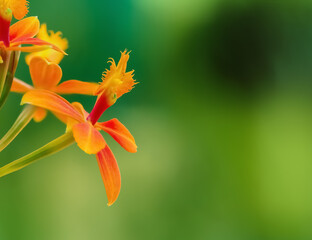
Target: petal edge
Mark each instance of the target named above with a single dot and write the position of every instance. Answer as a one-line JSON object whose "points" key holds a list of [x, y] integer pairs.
{"points": [[51, 101], [120, 133], [110, 174]]}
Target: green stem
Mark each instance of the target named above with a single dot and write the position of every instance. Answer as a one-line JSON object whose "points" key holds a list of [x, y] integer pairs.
{"points": [[21, 122], [47, 150], [6, 55], [14, 58]]}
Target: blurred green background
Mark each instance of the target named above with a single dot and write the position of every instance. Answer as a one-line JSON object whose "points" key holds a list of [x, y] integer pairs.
{"points": [[222, 118]]}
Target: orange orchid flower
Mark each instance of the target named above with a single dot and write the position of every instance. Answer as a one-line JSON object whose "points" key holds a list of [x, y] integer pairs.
{"points": [[23, 31], [47, 75], [86, 128], [88, 136]]}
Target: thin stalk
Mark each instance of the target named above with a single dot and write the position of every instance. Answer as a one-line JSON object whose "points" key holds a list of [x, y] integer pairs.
{"points": [[52, 147], [21, 122], [4, 68], [14, 58]]}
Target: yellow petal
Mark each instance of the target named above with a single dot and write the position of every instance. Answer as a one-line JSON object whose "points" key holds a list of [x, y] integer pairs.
{"points": [[54, 38]]}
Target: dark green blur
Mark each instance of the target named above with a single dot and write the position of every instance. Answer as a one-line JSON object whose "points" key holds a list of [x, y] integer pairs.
{"points": [[222, 116]]}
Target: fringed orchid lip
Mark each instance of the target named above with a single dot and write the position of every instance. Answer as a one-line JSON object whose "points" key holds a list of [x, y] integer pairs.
{"points": [[54, 38], [115, 82]]}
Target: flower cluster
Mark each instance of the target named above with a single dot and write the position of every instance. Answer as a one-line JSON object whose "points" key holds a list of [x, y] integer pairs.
{"points": [[46, 51]]}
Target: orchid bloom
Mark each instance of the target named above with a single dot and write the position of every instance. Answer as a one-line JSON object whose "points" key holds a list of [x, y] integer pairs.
{"points": [[13, 37], [23, 31], [47, 75], [86, 128], [17, 8]]}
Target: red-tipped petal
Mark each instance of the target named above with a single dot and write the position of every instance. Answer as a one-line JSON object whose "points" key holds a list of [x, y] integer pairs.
{"points": [[19, 86], [77, 87], [44, 75], [35, 41], [26, 28], [51, 101], [69, 121], [110, 174], [120, 133], [88, 138]]}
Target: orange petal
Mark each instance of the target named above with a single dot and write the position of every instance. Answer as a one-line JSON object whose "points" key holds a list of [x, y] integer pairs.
{"points": [[26, 28], [110, 174], [88, 138], [69, 121], [51, 101], [44, 75], [35, 41], [120, 133], [77, 87], [19, 86], [39, 114]]}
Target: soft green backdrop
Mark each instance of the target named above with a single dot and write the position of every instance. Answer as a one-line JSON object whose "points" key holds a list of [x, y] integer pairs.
{"points": [[222, 118]]}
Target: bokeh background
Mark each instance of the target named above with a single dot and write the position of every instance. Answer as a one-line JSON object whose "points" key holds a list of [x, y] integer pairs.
{"points": [[222, 118]]}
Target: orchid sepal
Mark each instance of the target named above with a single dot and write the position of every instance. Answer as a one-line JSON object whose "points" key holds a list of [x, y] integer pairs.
{"points": [[51, 101], [119, 133], [110, 174]]}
